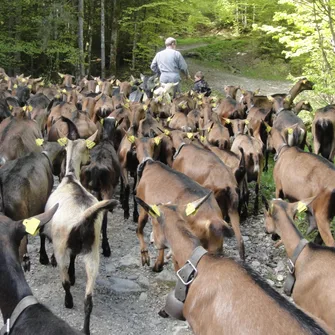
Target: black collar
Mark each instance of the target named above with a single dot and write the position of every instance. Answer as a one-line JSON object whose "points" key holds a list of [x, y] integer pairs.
{"points": [[20, 307], [290, 280], [275, 158], [178, 150], [141, 166]]}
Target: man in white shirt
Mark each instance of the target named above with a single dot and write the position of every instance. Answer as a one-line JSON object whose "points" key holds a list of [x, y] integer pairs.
{"points": [[168, 62]]}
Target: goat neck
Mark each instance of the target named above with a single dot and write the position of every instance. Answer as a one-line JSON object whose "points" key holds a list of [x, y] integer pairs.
{"points": [[144, 148], [289, 234], [278, 142], [181, 241], [73, 162], [177, 138], [13, 284]]}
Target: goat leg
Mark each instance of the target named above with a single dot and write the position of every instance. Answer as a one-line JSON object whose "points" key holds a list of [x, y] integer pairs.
{"points": [[235, 222], [158, 267], [142, 220], [72, 271], [106, 251], [135, 212], [44, 259]]}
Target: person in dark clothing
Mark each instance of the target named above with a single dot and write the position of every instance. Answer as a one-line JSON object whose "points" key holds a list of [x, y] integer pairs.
{"points": [[200, 85]]}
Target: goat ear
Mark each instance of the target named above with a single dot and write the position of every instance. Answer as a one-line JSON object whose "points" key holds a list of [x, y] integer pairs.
{"points": [[151, 210], [193, 206], [301, 206], [33, 224]]}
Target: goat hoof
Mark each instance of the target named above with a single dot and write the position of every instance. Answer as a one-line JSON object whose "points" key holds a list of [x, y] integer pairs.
{"points": [[157, 268], [53, 261], [163, 314], [145, 258], [69, 302], [135, 218], [106, 251], [44, 259], [126, 215], [26, 263]]}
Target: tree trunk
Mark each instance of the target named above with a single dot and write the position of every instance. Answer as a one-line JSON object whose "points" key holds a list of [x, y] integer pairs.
{"points": [[81, 37], [18, 39], [133, 61], [90, 36], [103, 55], [114, 35]]}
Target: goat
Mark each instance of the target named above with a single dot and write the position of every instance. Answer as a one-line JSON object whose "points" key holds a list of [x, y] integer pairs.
{"points": [[312, 266], [258, 309], [25, 185], [253, 151], [323, 130], [35, 318], [212, 174], [76, 234], [102, 175], [160, 183], [299, 175]]}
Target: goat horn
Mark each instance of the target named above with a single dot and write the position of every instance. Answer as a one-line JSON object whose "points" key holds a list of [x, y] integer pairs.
{"points": [[152, 210], [193, 206]]}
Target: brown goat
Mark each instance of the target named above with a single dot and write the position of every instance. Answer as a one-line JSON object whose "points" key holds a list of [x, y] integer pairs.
{"points": [[207, 223], [313, 268], [212, 174], [257, 310], [299, 175], [323, 130]]}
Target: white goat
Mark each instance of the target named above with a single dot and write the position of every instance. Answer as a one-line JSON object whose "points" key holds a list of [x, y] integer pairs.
{"points": [[76, 225]]}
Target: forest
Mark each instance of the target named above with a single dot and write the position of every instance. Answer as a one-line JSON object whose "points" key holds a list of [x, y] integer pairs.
{"points": [[116, 37]]}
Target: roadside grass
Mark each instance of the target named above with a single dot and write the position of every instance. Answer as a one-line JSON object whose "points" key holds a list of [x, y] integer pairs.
{"points": [[244, 56]]}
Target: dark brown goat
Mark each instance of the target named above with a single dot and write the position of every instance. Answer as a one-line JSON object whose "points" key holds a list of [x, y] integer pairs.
{"points": [[219, 279], [102, 175], [35, 318]]}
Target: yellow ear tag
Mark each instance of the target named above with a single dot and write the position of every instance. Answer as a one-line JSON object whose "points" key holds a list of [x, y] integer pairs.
{"points": [[190, 209], [24, 108], [42, 83], [213, 104], [157, 140], [15, 86], [246, 122], [64, 90], [154, 211], [227, 121], [30, 108], [29, 86], [102, 121], [126, 105], [190, 135], [10, 108], [202, 138], [301, 207], [183, 106], [268, 129], [157, 119], [32, 226], [131, 138], [23, 80], [168, 119], [6, 78], [89, 144], [199, 96], [145, 107], [160, 99], [39, 141], [200, 103], [57, 96], [62, 141], [166, 132], [290, 131]]}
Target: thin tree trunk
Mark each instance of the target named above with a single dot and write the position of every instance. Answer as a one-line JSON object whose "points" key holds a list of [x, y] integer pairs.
{"points": [[133, 61], [18, 38], [90, 36], [103, 55], [81, 37], [114, 35]]}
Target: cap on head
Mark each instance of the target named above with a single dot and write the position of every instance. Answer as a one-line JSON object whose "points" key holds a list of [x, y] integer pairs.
{"points": [[169, 41], [199, 74]]}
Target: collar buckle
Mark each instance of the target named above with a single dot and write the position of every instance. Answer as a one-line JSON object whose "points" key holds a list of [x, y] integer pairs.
{"points": [[193, 273], [290, 266]]}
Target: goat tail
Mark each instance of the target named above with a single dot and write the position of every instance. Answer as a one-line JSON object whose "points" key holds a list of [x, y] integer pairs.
{"points": [[99, 177], [296, 135], [97, 207], [324, 132]]}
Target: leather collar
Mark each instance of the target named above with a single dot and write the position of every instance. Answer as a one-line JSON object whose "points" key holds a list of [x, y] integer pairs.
{"points": [[290, 279], [141, 167], [178, 150], [276, 156], [175, 302], [20, 307]]}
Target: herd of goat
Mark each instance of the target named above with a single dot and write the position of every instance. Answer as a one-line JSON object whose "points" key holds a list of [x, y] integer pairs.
{"points": [[202, 152]]}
